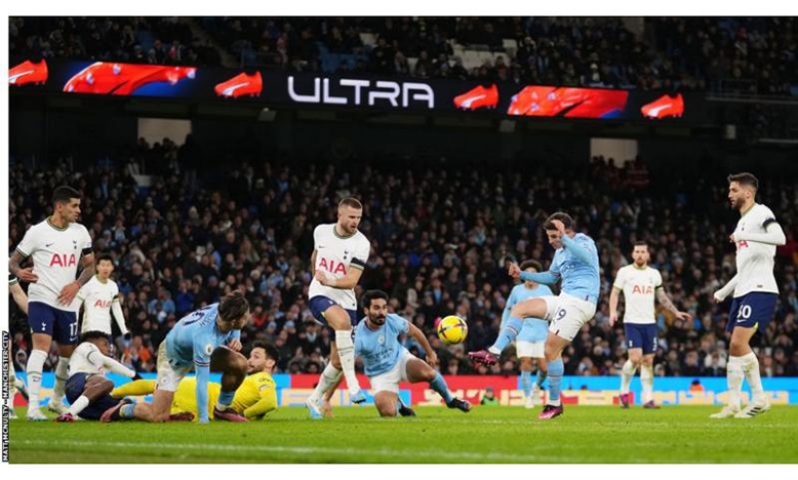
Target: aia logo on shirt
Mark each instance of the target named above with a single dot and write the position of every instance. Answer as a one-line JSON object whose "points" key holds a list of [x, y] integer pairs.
{"points": [[643, 289], [63, 260], [332, 266], [100, 303]]}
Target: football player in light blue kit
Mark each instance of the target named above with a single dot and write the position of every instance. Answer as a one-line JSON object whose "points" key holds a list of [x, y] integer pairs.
{"points": [[529, 345], [204, 341], [387, 362], [576, 264]]}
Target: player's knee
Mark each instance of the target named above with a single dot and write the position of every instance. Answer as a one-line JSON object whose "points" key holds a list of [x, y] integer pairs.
{"points": [[387, 409], [635, 358], [526, 364], [428, 374], [648, 360], [237, 363], [105, 386]]}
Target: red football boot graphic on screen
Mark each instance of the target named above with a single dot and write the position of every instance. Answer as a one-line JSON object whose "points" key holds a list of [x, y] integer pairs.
{"points": [[542, 101], [124, 78], [28, 72], [478, 97], [664, 107], [240, 85]]}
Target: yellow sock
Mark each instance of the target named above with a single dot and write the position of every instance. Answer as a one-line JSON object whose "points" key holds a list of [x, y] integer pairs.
{"points": [[135, 388]]}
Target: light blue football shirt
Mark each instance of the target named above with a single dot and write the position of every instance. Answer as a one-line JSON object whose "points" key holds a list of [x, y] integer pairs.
{"points": [[380, 349], [580, 278]]}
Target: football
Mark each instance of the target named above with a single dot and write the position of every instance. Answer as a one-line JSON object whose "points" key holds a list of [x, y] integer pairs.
{"points": [[452, 330]]}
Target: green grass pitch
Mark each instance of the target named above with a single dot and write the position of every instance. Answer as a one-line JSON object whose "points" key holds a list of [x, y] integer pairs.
{"points": [[437, 435]]}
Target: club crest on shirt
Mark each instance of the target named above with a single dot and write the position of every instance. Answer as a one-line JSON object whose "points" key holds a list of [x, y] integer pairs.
{"points": [[381, 339]]}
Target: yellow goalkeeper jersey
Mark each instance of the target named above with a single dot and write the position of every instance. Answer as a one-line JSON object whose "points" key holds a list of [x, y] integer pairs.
{"points": [[256, 396]]}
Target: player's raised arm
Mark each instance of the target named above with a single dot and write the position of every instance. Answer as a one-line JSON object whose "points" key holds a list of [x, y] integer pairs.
{"points": [[100, 361]]}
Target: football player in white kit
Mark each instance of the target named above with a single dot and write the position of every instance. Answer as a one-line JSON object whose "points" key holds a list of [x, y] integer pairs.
{"points": [[340, 253], [755, 292], [100, 298], [14, 383], [639, 284], [56, 246]]}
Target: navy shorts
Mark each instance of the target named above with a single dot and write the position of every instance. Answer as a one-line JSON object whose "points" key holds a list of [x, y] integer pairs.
{"points": [[752, 310], [641, 335], [61, 325], [320, 304], [74, 389]]}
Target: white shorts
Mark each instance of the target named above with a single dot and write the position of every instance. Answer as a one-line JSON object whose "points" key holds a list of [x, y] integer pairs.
{"points": [[389, 381], [529, 349], [168, 376], [566, 314]]}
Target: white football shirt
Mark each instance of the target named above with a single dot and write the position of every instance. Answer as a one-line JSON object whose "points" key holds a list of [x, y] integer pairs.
{"points": [[639, 286], [755, 260], [56, 256], [87, 358], [335, 255], [97, 298]]}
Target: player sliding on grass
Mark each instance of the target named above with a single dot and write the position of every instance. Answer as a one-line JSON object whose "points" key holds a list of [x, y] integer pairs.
{"points": [[256, 397], [755, 292], [87, 389], [576, 263], [387, 362], [205, 340]]}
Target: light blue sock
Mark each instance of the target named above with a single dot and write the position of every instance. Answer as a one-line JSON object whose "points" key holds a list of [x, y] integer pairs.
{"points": [[439, 385], [127, 410], [225, 398], [507, 335], [542, 374], [526, 383], [556, 370]]}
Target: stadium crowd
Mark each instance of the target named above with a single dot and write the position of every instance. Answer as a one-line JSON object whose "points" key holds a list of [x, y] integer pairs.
{"points": [[438, 234], [745, 55]]}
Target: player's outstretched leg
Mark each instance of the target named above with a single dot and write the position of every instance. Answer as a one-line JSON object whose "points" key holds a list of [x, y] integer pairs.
{"points": [[233, 367], [418, 370], [328, 382], [534, 307]]}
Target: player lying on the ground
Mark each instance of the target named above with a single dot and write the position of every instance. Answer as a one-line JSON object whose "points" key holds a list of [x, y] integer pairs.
{"points": [[256, 396], [206, 340], [87, 389], [387, 362]]}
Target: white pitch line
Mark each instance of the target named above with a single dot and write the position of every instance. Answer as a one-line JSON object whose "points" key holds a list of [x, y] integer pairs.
{"points": [[383, 452]]}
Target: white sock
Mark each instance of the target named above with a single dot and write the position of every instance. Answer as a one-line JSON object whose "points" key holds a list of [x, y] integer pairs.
{"points": [[647, 379], [627, 373], [346, 351], [751, 371], [734, 378], [61, 377], [329, 377], [79, 404], [34, 371]]}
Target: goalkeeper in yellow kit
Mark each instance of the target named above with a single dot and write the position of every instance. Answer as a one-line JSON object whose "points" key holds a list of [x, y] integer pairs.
{"points": [[256, 396]]}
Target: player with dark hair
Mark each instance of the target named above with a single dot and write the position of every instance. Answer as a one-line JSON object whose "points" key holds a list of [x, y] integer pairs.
{"points": [[754, 292], [100, 298], [387, 362], [204, 341], [340, 253], [576, 264], [87, 390], [639, 284], [56, 246]]}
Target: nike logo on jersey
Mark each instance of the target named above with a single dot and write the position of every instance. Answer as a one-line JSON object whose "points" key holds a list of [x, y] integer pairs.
{"points": [[48, 244]]}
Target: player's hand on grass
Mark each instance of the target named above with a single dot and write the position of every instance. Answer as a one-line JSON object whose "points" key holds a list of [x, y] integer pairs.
{"points": [[68, 293], [234, 344], [684, 316], [514, 271], [27, 275]]}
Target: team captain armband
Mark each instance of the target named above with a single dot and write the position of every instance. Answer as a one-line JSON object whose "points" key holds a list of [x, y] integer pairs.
{"points": [[12, 279], [768, 222], [87, 250]]}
